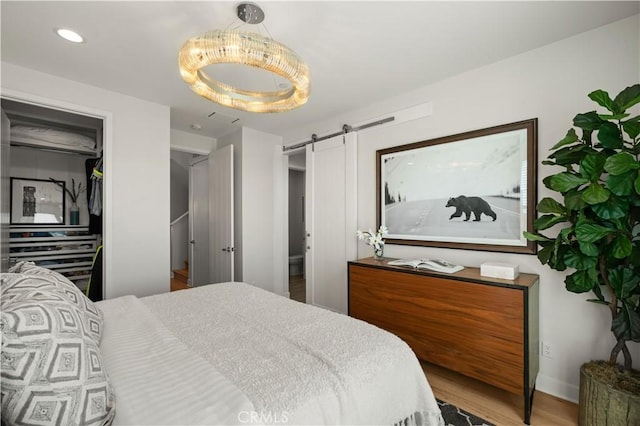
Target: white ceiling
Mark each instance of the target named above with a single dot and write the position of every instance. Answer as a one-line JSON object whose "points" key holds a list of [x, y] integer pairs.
{"points": [[358, 52]]}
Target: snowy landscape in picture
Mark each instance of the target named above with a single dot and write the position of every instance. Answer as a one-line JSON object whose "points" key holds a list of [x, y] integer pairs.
{"points": [[418, 183]]}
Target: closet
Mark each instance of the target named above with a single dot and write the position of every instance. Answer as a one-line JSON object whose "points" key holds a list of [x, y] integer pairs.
{"points": [[54, 166]]}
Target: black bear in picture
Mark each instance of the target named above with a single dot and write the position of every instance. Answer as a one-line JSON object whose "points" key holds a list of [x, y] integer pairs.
{"points": [[467, 205]]}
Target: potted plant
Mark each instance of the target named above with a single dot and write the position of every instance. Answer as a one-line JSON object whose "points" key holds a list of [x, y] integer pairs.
{"points": [[598, 216]]}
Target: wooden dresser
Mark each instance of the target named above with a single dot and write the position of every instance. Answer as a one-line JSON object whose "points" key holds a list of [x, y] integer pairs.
{"points": [[485, 328]]}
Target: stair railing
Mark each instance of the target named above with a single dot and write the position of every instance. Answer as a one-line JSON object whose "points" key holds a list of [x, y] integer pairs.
{"points": [[182, 216]]}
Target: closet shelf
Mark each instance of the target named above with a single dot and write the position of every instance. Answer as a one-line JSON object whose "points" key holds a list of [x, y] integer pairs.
{"points": [[53, 130], [17, 227], [68, 250], [54, 147]]}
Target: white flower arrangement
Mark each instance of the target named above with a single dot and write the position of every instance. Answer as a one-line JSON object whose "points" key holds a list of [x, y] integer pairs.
{"points": [[374, 239]]}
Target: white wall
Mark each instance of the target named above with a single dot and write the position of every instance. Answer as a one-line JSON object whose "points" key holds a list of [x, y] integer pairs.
{"points": [[256, 185], [298, 161], [136, 177], [258, 206], [191, 142], [550, 83]]}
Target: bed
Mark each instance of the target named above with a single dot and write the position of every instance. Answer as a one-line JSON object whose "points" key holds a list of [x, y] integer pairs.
{"points": [[227, 353]]}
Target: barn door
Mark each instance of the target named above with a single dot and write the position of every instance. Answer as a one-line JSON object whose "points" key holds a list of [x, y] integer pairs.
{"points": [[331, 219]]}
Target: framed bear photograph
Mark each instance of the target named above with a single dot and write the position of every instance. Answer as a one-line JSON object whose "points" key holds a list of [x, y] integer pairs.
{"points": [[475, 190]]}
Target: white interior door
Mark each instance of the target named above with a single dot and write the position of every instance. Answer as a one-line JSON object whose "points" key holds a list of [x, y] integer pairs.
{"points": [[199, 222], [221, 248], [331, 220], [4, 193]]}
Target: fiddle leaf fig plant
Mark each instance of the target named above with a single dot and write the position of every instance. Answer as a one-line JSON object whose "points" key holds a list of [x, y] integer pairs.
{"points": [[597, 212]]}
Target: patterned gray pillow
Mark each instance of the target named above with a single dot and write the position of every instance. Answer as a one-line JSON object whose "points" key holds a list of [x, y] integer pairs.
{"points": [[19, 286], [51, 367], [31, 268], [24, 266]]}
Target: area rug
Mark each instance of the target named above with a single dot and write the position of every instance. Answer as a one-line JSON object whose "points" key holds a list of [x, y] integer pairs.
{"points": [[454, 416]]}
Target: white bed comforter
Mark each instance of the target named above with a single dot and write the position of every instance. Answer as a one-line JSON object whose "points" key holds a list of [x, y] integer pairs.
{"points": [[297, 364], [158, 380]]}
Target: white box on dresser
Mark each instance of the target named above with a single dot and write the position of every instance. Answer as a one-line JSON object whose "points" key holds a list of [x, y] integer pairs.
{"points": [[507, 271]]}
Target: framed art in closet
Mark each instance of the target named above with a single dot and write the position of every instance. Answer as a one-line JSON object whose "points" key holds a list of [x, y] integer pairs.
{"points": [[37, 201]]}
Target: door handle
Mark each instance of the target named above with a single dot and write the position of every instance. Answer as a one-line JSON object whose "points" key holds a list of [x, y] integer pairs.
{"points": [[192, 242]]}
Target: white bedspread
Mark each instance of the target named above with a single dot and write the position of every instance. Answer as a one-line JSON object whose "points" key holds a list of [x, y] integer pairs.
{"points": [[299, 364], [157, 379]]}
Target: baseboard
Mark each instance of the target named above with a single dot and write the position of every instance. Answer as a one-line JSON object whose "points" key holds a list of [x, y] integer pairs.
{"points": [[557, 388]]}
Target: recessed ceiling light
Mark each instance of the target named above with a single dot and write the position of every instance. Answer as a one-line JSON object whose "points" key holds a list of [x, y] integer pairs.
{"points": [[69, 35]]}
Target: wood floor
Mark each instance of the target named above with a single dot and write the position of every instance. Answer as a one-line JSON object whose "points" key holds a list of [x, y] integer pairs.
{"points": [[495, 405], [297, 288], [180, 278], [176, 284]]}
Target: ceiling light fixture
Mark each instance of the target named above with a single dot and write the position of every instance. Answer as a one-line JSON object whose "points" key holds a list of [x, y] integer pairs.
{"points": [[69, 35], [245, 48]]}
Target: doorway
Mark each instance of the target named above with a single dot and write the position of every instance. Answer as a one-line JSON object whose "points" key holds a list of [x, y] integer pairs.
{"points": [[199, 221], [63, 143], [297, 247], [202, 218]]}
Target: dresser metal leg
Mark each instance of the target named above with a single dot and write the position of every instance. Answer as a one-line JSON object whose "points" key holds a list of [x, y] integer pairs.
{"points": [[528, 404]]}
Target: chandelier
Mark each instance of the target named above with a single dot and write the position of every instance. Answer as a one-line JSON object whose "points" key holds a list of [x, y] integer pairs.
{"points": [[245, 48]]}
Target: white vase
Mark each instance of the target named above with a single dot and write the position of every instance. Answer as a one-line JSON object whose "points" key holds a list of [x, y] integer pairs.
{"points": [[378, 253]]}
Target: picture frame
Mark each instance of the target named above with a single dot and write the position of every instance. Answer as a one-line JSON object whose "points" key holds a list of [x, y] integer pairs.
{"points": [[37, 202], [431, 193]]}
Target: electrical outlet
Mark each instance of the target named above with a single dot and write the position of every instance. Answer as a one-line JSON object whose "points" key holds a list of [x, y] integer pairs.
{"points": [[547, 350]]}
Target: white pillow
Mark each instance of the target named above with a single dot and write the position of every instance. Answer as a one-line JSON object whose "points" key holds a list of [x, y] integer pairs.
{"points": [[52, 370]]}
